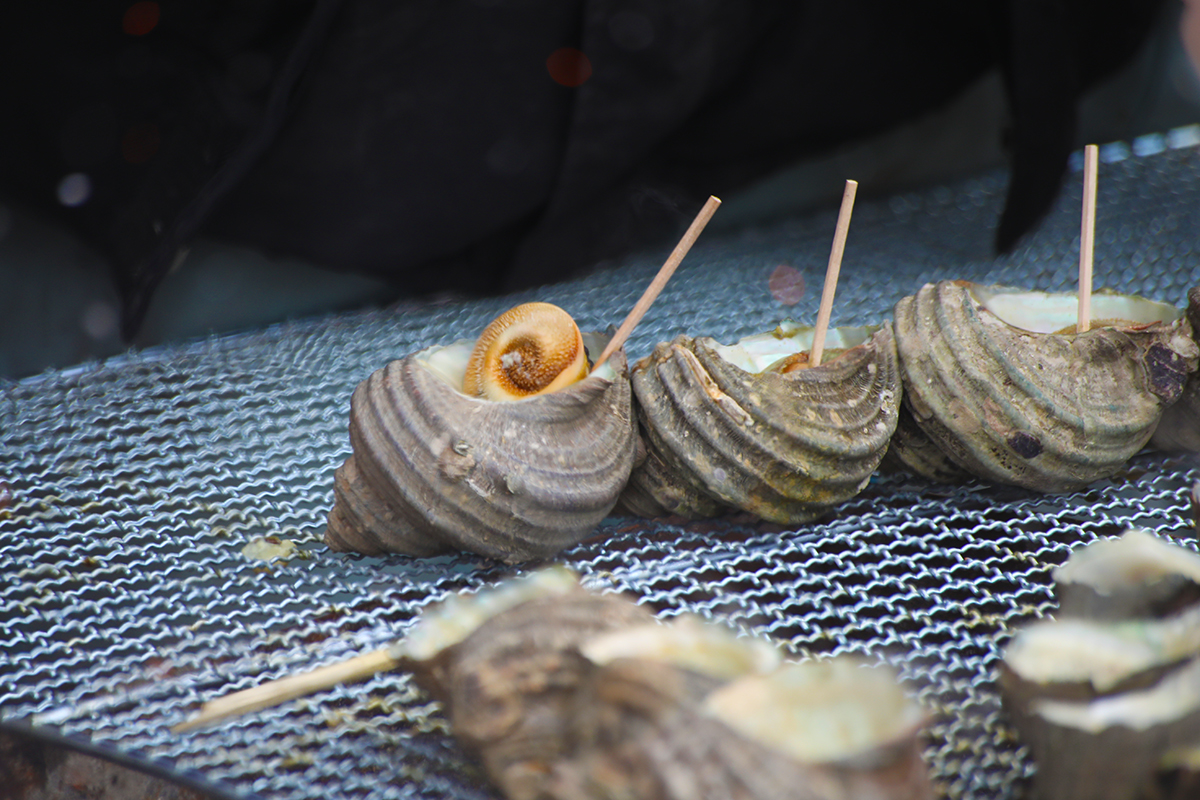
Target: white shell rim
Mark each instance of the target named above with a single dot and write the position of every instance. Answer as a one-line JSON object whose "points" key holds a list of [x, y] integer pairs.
{"points": [[1050, 312], [757, 352]]}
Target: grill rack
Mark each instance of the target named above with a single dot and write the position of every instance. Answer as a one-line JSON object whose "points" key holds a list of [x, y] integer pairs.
{"points": [[131, 487]]}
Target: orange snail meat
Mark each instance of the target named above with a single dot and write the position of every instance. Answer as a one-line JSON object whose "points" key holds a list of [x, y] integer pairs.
{"points": [[526, 351]]}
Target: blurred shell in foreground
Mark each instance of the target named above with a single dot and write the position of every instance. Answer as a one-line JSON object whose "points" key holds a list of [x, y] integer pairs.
{"points": [[505, 663], [665, 725], [1107, 697], [576, 696]]}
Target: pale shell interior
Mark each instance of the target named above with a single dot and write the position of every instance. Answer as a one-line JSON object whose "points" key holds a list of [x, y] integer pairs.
{"points": [[689, 643], [449, 361], [756, 353], [1050, 312], [818, 711]]}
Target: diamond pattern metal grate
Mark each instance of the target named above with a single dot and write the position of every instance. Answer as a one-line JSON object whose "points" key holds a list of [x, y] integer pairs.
{"points": [[132, 486]]}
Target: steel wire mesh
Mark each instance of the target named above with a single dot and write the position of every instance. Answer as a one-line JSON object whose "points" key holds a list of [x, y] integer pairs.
{"points": [[132, 486]]}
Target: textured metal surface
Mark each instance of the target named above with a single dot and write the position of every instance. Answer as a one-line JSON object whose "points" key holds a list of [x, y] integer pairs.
{"points": [[131, 487]]}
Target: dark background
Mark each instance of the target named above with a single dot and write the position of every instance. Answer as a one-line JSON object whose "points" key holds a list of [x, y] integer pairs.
{"points": [[173, 169]]}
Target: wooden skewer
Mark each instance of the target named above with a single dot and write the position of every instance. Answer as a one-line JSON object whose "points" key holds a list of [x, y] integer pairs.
{"points": [[660, 280], [1087, 236], [831, 274], [279, 691]]}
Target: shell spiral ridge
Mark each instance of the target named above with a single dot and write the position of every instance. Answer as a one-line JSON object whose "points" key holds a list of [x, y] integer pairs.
{"points": [[1050, 412], [783, 447], [507, 480]]}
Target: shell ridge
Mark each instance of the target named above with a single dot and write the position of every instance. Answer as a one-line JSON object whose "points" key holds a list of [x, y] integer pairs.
{"points": [[918, 317], [823, 431], [1063, 406], [409, 405], [452, 504], [912, 447], [951, 323], [655, 490], [981, 398], [726, 464], [1045, 411], [573, 481], [1077, 423], [667, 418], [364, 512], [369, 438], [681, 377]]}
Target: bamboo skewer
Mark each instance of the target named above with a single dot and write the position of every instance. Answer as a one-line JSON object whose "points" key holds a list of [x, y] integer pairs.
{"points": [[660, 280], [831, 274], [1087, 236], [279, 691]]}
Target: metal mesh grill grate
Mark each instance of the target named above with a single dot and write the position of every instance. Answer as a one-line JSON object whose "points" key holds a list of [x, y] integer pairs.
{"points": [[134, 485]]}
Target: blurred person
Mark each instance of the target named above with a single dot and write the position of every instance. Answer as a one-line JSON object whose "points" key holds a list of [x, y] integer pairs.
{"points": [[488, 145]]}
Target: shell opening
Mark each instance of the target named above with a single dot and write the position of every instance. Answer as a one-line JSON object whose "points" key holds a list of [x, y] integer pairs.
{"points": [[1162, 704], [1057, 312], [1136, 557], [1083, 651], [595, 344], [763, 351]]}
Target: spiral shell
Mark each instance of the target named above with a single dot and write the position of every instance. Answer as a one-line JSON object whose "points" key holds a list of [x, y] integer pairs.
{"points": [[435, 470], [1009, 400], [783, 446], [529, 350]]}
